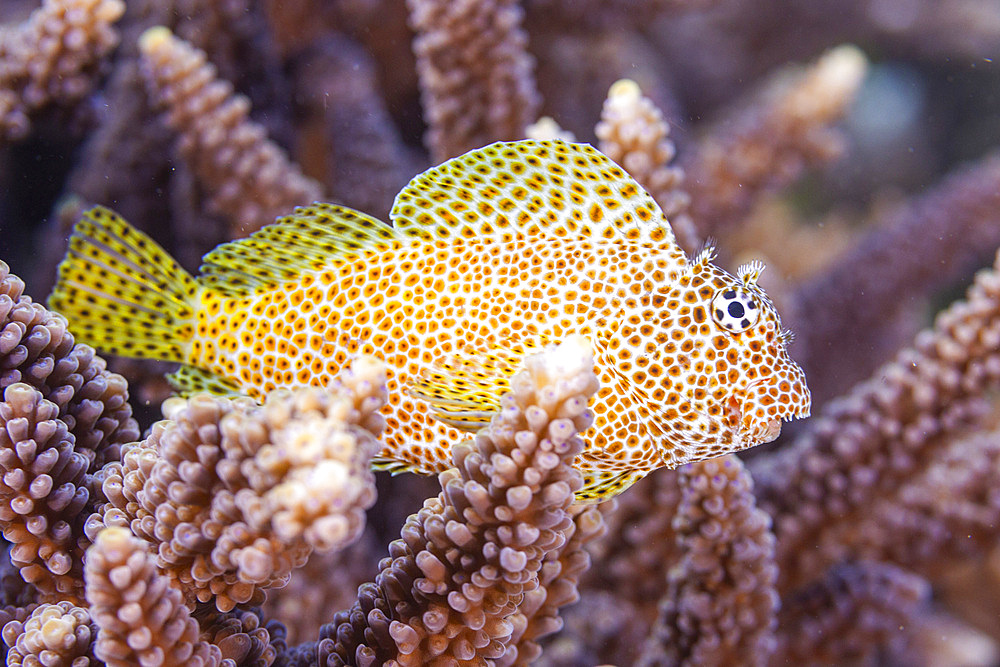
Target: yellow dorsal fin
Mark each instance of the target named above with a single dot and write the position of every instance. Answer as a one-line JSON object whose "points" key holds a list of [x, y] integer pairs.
{"points": [[306, 240], [532, 187], [122, 293]]}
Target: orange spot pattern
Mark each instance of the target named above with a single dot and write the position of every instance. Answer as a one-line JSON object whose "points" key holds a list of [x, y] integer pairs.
{"points": [[675, 386]]}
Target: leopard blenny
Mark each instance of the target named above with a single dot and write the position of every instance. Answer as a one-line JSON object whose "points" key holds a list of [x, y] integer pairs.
{"points": [[491, 256]]}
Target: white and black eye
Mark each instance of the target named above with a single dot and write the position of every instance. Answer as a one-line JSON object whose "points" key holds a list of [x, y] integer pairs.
{"points": [[734, 310]]}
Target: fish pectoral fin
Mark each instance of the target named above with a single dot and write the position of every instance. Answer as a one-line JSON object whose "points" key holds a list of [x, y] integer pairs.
{"points": [[458, 400], [464, 390], [601, 485], [188, 380]]}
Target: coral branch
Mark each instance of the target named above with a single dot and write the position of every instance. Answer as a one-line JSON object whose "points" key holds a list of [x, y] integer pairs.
{"points": [[465, 561], [42, 492], [141, 619], [475, 73], [720, 605], [538, 614], [54, 634], [866, 444], [63, 416], [924, 246], [846, 617], [772, 142], [51, 57], [249, 178], [634, 134], [234, 496]]}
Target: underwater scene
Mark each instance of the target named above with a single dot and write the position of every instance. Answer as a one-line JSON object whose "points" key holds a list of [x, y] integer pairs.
{"points": [[484, 332]]}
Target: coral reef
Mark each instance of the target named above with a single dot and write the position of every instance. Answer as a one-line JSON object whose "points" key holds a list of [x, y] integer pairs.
{"points": [[850, 145]]}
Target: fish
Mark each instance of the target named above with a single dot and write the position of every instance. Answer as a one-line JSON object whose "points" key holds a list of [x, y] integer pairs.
{"points": [[490, 256]]}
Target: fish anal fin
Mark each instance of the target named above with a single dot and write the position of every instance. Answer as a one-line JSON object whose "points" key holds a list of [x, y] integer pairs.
{"points": [[188, 380], [601, 485], [534, 187]]}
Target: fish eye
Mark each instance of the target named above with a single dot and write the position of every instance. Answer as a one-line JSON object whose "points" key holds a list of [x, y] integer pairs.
{"points": [[734, 309]]}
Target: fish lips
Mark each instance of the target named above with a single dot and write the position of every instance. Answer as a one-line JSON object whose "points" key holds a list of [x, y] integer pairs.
{"points": [[745, 413]]}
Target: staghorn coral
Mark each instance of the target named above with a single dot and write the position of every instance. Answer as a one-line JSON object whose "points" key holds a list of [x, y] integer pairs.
{"points": [[466, 560], [632, 132], [50, 57], [43, 490], [54, 634], [849, 615], [538, 614], [924, 245], [234, 496], [695, 60], [475, 74], [771, 143], [225, 149], [865, 444], [720, 604], [64, 416], [140, 618]]}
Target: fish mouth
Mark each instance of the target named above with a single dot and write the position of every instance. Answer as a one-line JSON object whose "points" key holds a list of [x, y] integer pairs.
{"points": [[751, 429]]}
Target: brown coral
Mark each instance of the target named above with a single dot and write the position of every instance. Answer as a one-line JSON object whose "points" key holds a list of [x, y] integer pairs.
{"points": [[866, 444], [633, 133], [54, 634], [249, 178], [42, 492], [51, 57], [773, 141], [63, 417], [476, 76], [720, 602], [234, 496], [454, 581], [141, 619]]}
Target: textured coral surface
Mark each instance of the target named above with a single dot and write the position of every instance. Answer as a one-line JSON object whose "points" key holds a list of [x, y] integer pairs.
{"points": [[851, 146]]}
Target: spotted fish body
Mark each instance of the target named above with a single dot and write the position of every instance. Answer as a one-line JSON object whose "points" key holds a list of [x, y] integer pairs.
{"points": [[491, 256]]}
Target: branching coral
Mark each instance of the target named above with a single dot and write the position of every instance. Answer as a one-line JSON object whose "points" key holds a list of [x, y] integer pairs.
{"points": [[140, 618], [54, 634], [475, 73], [866, 444], [234, 496], [720, 602], [51, 57], [632, 132], [923, 246], [43, 491], [452, 585], [885, 479], [225, 149], [770, 144], [63, 417]]}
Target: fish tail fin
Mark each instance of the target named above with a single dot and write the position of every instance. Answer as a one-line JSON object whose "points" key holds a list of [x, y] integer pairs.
{"points": [[122, 293]]}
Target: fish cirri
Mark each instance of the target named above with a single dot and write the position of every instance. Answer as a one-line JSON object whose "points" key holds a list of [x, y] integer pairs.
{"points": [[490, 256]]}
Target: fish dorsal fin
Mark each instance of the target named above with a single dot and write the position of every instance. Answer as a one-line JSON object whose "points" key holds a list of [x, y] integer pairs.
{"points": [[531, 187], [304, 241]]}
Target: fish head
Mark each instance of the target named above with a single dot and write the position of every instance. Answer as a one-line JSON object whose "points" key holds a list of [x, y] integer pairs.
{"points": [[709, 360]]}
